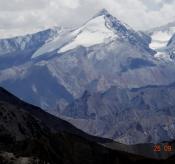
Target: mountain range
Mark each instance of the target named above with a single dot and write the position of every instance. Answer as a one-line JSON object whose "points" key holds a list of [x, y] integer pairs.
{"points": [[104, 77]]}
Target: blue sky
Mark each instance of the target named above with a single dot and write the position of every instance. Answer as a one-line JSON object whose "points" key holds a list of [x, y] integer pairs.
{"points": [[26, 16]]}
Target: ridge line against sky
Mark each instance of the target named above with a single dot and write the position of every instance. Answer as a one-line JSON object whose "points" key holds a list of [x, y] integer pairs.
{"points": [[19, 17]]}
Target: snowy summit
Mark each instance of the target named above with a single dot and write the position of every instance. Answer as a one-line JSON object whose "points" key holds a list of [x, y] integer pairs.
{"points": [[101, 28]]}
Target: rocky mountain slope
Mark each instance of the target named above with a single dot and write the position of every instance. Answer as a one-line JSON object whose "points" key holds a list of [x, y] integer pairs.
{"points": [[18, 50], [29, 135], [145, 114]]}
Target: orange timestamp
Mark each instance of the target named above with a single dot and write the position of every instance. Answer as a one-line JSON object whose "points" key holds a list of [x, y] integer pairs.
{"points": [[164, 148]]}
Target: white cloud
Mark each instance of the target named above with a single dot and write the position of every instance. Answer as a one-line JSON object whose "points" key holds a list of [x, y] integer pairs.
{"points": [[26, 16], [18, 5]]}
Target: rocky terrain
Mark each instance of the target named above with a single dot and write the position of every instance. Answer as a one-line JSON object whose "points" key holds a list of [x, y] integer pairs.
{"points": [[149, 112], [28, 135]]}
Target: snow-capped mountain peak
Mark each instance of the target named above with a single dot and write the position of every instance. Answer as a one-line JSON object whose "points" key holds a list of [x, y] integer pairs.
{"points": [[95, 31], [104, 27], [101, 28]]}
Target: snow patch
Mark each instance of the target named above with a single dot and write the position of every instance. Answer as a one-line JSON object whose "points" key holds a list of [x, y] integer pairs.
{"points": [[92, 33], [55, 44], [162, 56], [160, 39]]}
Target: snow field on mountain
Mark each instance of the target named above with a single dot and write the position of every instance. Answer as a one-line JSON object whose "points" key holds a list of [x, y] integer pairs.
{"points": [[92, 33]]}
